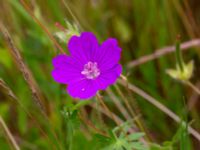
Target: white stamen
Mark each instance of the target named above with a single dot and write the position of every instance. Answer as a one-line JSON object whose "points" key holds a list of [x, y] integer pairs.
{"points": [[91, 70]]}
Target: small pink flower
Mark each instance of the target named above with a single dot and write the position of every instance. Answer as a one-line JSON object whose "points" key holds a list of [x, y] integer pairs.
{"points": [[90, 66]]}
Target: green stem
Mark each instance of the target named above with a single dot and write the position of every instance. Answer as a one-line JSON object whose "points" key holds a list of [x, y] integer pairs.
{"points": [[179, 57]]}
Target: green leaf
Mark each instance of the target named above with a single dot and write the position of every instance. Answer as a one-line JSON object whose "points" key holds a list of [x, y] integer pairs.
{"points": [[158, 147], [138, 146], [5, 58], [103, 139], [135, 136]]}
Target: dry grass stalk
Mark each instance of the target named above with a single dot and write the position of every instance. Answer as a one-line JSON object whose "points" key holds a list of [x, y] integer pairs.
{"points": [[72, 14], [163, 51], [8, 134], [132, 111], [91, 125], [6, 90], [100, 99], [112, 116], [160, 106], [193, 87], [29, 11], [118, 104], [194, 98], [37, 96]]}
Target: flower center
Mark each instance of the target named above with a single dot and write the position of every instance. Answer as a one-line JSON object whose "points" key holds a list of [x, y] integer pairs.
{"points": [[91, 70]]}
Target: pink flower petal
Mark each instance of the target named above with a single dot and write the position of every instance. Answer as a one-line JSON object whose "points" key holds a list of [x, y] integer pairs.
{"points": [[108, 54], [108, 77], [89, 67], [82, 89], [83, 47], [66, 69]]}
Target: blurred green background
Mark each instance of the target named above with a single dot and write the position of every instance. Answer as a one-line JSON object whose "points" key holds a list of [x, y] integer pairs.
{"points": [[141, 27]]}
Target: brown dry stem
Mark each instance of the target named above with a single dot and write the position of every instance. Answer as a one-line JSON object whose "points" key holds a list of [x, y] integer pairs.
{"points": [[160, 106], [163, 51]]}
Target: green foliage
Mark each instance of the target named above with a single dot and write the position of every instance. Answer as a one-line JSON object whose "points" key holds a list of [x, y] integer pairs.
{"points": [[141, 27], [65, 34], [180, 140], [122, 141], [122, 29], [183, 72], [72, 123]]}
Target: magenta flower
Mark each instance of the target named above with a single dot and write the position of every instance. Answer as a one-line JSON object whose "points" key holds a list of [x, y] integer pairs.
{"points": [[90, 66]]}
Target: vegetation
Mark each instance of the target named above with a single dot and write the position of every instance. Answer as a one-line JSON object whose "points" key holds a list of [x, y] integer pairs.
{"points": [[150, 107]]}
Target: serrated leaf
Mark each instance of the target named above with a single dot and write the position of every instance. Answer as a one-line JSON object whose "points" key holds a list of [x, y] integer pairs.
{"points": [[138, 146], [103, 139], [135, 136]]}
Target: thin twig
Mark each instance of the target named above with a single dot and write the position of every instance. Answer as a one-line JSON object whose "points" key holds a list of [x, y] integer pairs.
{"points": [[112, 115], [4, 87], [28, 9], [160, 106], [100, 117], [194, 98], [37, 97], [8, 134], [32, 85], [90, 124], [192, 86], [135, 108], [163, 51], [118, 104], [99, 98], [26, 144], [72, 14], [126, 101], [7, 90]]}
